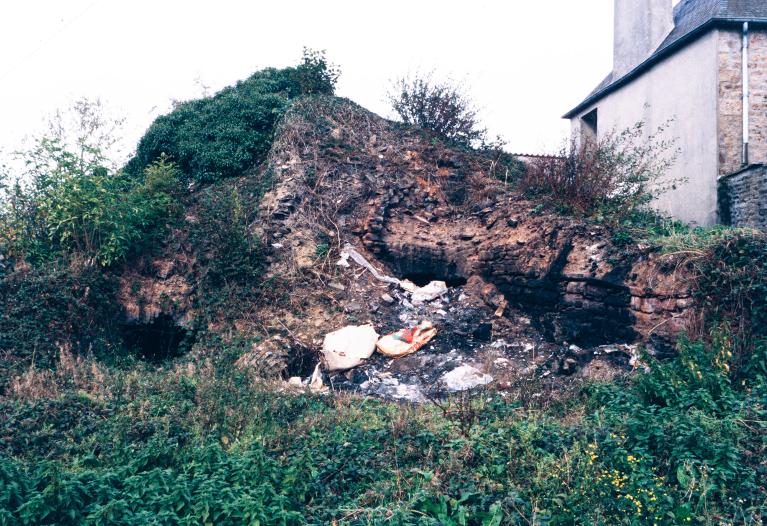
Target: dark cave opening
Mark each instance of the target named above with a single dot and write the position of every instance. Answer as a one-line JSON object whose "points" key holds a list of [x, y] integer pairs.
{"points": [[424, 278], [301, 361], [159, 340]]}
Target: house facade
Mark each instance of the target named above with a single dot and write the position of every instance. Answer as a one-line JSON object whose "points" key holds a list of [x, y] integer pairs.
{"points": [[700, 68]]}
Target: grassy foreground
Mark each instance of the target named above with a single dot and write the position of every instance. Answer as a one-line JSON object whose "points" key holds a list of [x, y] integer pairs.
{"points": [[206, 444]]}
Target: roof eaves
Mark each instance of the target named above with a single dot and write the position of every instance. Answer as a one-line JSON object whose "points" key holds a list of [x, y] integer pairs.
{"points": [[658, 56]]}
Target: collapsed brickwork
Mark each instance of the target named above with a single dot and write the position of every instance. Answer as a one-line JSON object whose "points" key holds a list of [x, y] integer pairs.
{"points": [[426, 211]]}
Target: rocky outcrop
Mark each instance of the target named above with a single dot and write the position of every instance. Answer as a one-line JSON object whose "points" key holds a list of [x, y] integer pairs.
{"points": [[430, 212]]}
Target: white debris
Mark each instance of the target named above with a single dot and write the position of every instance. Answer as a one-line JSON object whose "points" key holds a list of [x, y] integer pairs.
{"points": [[350, 252], [464, 378], [387, 298], [349, 347], [315, 382], [344, 261], [430, 292], [408, 286]]}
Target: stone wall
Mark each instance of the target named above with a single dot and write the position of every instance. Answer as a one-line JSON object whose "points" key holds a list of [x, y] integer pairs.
{"points": [[730, 125], [575, 285], [743, 197]]}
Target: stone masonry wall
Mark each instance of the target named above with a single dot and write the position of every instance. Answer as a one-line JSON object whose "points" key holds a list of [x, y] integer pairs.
{"points": [[743, 198], [562, 272], [730, 124]]}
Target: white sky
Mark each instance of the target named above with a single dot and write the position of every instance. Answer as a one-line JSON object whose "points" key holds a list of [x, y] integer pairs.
{"points": [[527, 63]]}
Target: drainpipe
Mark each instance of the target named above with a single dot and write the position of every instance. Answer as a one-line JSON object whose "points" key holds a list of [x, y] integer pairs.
{"points": [[746, 106]]}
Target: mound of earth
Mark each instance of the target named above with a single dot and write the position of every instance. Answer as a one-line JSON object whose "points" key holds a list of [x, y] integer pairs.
{"points": [[532, 296]]}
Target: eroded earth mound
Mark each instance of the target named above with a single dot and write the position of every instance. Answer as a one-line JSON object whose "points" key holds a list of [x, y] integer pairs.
{"points": [[532, 296]]}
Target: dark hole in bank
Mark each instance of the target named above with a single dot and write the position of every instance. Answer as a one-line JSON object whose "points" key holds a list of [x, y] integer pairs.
{"points": [[301, 361], [423, 279], [159, 340]]}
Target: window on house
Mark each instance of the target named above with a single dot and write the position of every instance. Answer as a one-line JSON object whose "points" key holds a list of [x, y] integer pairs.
{"points": [[589, 124]]}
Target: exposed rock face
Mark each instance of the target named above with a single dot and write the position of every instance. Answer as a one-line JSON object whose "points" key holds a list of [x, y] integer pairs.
{"points": [[568, 274], [158, 286], [419, 210], [431, 212]]}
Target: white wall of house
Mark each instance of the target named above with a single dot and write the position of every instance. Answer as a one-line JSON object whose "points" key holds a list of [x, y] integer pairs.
{"points": [[684, 87]]}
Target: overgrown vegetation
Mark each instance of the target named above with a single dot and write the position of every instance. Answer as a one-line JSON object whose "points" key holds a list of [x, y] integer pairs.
{"points": [[229, 255], [609, 179], [441, 107], [222, 136], [207, 444], [89, 439], [67, 201]]}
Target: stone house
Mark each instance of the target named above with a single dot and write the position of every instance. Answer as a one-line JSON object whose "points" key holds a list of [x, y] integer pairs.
{"points": [[702, 64]]}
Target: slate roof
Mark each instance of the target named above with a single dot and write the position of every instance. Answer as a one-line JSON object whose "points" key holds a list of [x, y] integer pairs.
{"points": [[692, 18]]}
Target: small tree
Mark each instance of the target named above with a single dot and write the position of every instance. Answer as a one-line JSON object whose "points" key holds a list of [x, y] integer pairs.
{"points": [[315, 75], [442, 107], [65, 196]]}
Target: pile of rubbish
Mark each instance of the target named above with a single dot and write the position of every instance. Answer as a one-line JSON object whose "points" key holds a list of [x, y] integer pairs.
{"points": [[439, 340]]}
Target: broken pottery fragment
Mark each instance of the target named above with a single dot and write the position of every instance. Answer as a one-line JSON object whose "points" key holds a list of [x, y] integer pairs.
{"points": [[464, 378], [406, 341], [429, 292], [348, 347]]}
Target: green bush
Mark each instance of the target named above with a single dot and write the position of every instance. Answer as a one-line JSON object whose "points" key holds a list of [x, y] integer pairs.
{"points": [[224, 135], [107, 215], [46, 308], [229, 255], [97, 215]]}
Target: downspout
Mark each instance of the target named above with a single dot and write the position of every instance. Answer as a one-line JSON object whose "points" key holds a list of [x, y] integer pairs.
{"points": [[746, 105]]}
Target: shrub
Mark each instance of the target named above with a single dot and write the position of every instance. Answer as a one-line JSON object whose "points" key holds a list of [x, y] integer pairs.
{"points": [[229, 254], [46, 309], [441, 107], [224, 135], [98, 215], [67, 200], [611, 178]]}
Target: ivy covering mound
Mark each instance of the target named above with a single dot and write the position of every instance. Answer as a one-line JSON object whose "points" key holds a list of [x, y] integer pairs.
{"points": [[224, 135]]}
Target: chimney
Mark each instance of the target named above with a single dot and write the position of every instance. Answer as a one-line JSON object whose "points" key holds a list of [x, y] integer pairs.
{"points": [[640, 27]]}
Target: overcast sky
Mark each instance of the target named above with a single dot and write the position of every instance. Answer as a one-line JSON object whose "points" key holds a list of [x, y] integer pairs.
{"points": [[527, 63]]}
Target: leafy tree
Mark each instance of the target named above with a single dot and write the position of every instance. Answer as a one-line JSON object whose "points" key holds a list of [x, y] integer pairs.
{"points": [[439, 106], [67, 199]]}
